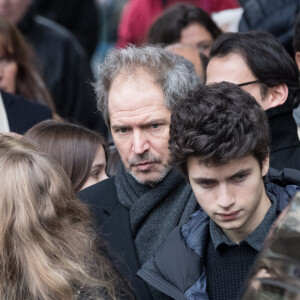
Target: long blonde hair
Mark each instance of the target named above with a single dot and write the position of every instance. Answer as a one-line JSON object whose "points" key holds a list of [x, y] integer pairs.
{"points": [[47, 247]]}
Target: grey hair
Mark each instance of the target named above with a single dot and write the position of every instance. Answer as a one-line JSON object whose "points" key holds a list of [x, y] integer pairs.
{"points": [[166, 68]]}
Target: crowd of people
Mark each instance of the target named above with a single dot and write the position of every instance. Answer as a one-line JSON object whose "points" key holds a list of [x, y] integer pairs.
{"points": [[173, 174]]}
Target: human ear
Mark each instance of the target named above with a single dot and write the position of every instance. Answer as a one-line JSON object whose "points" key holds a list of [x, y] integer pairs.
{"points": [[265, 166], [297, 59], [276, 95]]}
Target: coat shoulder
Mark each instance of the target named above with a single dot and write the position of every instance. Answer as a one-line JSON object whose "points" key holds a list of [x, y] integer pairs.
{"points": [[101, 198]]}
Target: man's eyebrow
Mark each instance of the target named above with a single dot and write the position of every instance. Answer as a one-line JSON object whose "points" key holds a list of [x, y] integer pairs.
{"points": [[201, 179], [145, 124], [240, 172], [154, 121], [118, 126]]}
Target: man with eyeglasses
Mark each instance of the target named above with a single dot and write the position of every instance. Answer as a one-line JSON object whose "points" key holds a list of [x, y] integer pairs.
{"points": [[260, 65]]}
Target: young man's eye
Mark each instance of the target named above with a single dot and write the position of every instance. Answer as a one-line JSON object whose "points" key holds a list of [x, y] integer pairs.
{"points": [[239, 178], [207, 183]]}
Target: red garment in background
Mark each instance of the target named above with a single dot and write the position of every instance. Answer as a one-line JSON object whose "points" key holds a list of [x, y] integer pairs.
{"points": [[138, 16]]}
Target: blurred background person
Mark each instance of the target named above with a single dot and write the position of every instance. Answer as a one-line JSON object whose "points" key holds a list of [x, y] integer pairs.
{"points": [[138, 16], [81, 152], [17, 66], [25, 100], [79, 17], [48, 250], [61, 60], [186, 24], [190, 53], [276, 17], [18, 114], [109, 12]]}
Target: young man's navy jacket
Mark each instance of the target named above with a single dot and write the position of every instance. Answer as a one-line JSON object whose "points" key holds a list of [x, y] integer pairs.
{"points": [[177, 267]]}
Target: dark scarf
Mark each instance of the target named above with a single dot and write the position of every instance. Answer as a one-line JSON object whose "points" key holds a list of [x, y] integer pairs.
{"points": [[154, 211]]}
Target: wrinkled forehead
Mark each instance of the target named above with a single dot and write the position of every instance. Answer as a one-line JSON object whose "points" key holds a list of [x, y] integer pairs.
{"points": [[138, 75], [133, 95], [138, 80]]}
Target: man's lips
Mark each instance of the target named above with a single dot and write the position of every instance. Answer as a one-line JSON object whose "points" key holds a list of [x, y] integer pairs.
{"points": [[144, 166], [229, 216]]}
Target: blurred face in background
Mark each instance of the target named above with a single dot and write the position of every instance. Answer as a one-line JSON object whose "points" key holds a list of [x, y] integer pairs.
{"points": [[191, 53], [14, 10], [8, 67], [97, 173], [196, 35]]}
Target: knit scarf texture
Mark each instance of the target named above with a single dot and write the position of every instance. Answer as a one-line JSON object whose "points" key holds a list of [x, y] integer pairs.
{"points": [[154, 211]]}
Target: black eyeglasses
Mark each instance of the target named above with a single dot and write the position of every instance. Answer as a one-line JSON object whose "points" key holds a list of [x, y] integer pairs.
{"points": [[249, 82]]}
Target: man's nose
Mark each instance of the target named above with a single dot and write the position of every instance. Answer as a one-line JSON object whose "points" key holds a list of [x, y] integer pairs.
{"points": [[225, 197], [140, 142]]}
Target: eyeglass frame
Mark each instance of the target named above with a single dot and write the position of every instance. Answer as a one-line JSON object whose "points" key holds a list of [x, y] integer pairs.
{"points": [[249, 82]]}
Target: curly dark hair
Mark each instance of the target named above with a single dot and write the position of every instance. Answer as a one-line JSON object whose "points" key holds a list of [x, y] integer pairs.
{"points": [[218, 123]]}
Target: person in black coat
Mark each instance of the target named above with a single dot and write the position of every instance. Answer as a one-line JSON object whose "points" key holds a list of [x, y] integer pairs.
{"points": [[137, 208], [62, 62], [80, 17], [276, 17], [260, 65], [22, 114]]}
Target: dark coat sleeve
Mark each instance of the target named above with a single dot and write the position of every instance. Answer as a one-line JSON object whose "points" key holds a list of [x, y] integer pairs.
{"points": [[112, 223], [23, 114]]}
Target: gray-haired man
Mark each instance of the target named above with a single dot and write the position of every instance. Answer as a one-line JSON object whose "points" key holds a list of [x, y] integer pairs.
{"points": [[137, 89]]}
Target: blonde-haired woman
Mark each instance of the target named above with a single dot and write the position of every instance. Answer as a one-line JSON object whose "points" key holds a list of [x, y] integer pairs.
{"points": [[47, 247]]}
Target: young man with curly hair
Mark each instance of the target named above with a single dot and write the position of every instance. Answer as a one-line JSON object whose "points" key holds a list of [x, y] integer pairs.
{"points": [[219, 138]]}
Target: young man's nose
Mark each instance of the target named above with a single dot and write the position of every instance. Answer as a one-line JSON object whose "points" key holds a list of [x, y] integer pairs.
{"points": [[225, 197]]}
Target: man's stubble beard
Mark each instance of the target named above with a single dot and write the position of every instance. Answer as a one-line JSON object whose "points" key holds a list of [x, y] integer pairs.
{"points": [[148, 157]]}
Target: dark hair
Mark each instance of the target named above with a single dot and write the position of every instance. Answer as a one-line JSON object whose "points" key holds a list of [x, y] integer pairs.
{"points": [[73, 146], [265, 56], [29, 83], [167, 28], [296, 38], [218, 123]]}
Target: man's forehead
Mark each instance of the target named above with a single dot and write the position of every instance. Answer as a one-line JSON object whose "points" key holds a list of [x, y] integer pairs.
{"points": [[132, 96], [232, 68], [138, 76], [231, 167]]}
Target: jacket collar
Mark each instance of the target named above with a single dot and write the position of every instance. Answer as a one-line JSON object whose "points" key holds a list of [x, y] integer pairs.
{"points": [[196, 231]]}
